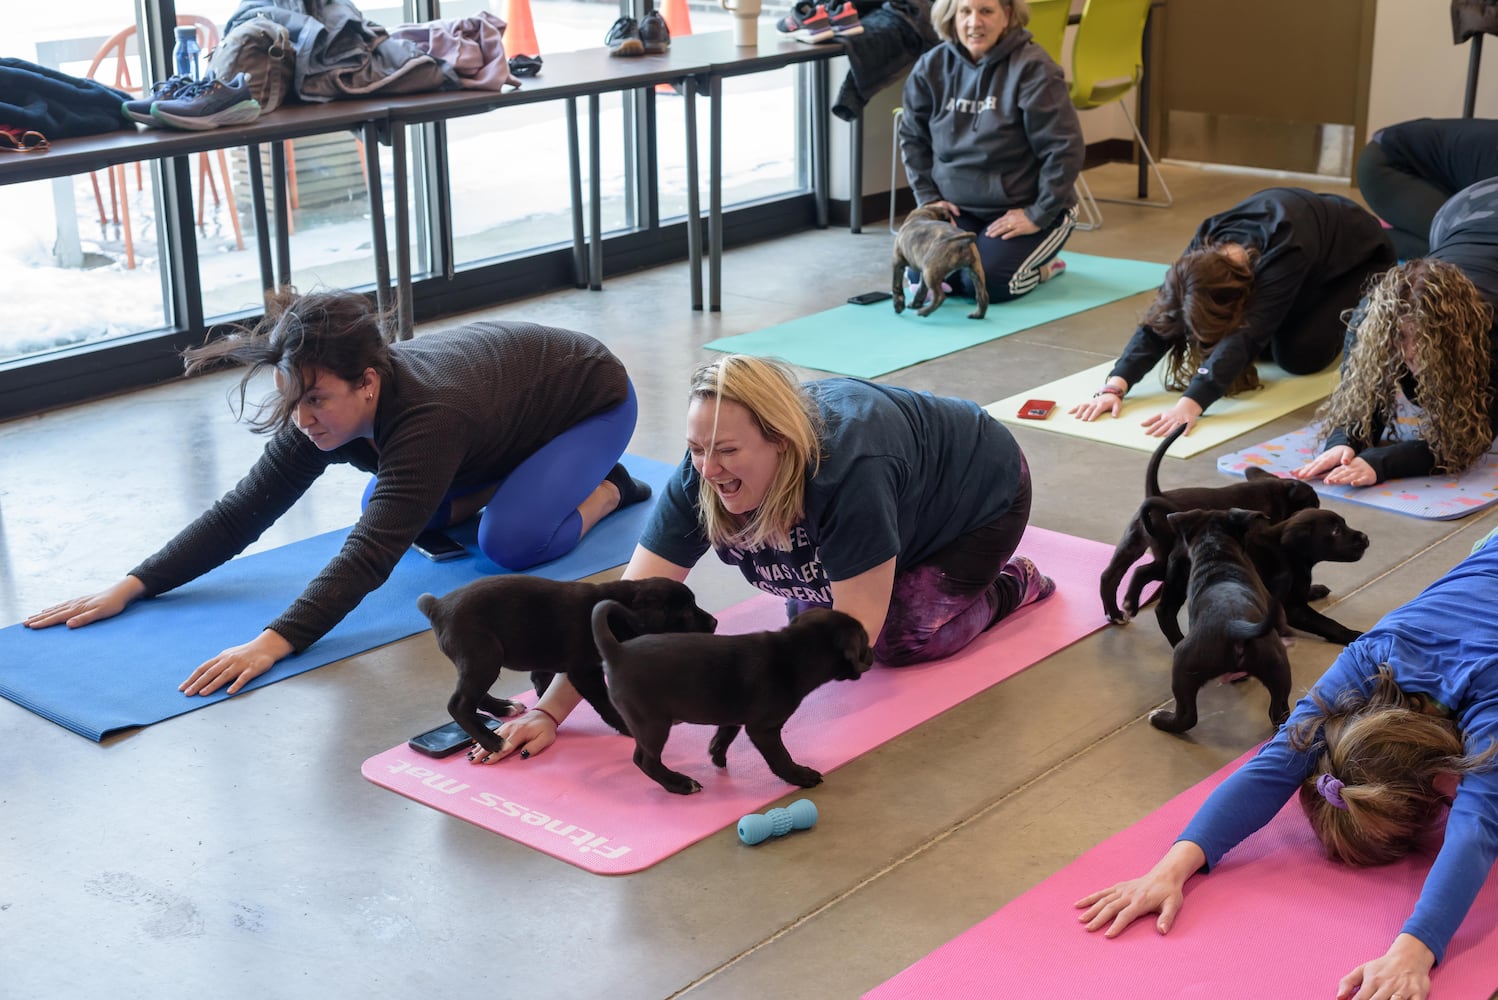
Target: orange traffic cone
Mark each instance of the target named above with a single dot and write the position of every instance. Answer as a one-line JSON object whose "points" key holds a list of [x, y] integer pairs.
{"points": [[679, 20], [520, 30]]}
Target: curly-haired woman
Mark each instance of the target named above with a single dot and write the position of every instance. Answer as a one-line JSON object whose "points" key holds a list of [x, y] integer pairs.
{"points": [[1425, 329], [1401, 728], [1267, 279]]}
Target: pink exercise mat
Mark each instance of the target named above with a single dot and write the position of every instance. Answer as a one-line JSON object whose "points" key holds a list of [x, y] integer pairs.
{"points": [[584, 801], [1274, 919]]}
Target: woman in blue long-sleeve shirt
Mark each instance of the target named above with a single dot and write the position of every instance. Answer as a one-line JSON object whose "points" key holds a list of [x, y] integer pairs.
{"points": [[1404, 712]]}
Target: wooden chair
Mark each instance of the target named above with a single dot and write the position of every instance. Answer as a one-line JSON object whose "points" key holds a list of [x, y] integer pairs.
{"points": [[116, 48]]}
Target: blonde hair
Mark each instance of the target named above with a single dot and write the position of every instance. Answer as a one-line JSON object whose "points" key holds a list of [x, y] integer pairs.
{"points": [[944, 15], [1201, 301], [785, 416], [1381, 754], [1451, 326]]}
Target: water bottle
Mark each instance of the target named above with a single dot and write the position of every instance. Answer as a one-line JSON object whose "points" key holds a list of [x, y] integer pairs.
{"points": [[185, 55]]}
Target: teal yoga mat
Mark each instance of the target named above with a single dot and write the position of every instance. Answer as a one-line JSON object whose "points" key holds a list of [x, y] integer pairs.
{"points": [[124, 672], [872, 340]]}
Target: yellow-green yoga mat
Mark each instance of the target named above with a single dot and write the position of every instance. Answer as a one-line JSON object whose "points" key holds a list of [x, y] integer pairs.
{"points": [[1223, 421], [872, 340]]}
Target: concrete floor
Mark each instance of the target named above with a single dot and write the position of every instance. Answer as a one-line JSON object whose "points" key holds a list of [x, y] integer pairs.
{"points": [[236, 852]]}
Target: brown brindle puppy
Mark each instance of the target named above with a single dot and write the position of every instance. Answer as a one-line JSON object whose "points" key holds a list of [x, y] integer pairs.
{"points": [[934, 246]]}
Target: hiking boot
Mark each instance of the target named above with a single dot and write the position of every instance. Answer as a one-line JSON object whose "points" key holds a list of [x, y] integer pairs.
{"points": [[813, 25], [654, 34], [139, 110], [844, 20], [623, 38], [209, 104]]}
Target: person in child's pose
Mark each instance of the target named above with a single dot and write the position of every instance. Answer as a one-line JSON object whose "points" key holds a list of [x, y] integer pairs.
{"points": [[1267, 279], [1408, 171], [524, 421], [989, 130], [1405, 713], [901, 508], [1424, 329]]}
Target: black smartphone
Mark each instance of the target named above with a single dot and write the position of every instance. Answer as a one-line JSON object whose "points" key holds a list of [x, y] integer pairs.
{"points": [[437, 547], [444, 741], [869, 298]]}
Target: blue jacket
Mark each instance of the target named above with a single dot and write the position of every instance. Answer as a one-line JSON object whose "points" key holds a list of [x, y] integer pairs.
{"points": [[55, 104]]}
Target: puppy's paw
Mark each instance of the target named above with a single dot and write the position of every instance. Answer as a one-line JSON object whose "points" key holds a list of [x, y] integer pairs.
{"points": [[719, 756], [1318, 592], [1166, 721], [1119, 618], [680, 784], [806, 777]]}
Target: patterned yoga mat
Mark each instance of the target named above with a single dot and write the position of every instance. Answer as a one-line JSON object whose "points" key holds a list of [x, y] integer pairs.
{"points": [[1437, 498]]}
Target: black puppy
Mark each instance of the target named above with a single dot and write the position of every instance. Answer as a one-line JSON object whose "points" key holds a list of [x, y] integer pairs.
{"points": [[1262, 491], [1283, 555], [756, 681], [1235, 623], [540, 625]]}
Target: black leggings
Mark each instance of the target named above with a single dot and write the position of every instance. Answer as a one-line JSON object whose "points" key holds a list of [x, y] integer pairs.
{"points": [[1012, 267], [1404, 200], [1310, 339]]}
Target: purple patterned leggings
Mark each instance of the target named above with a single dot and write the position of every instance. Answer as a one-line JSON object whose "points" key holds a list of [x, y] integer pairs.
{"points": [[939, 606]]}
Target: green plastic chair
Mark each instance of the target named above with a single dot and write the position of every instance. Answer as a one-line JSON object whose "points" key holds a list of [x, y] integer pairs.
{"points": [[1048, 26], [1106, 64]]}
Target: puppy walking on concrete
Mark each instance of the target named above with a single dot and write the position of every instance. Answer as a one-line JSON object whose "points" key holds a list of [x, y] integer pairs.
{"points": [[1235, 623], [532, 623], [930, 243], [754, 681], [1261, 491]]}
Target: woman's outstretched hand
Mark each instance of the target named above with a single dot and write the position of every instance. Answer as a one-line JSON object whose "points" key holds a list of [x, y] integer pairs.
{"points": [[527, 734], [82, 611], [1338, 466], [1402, 972], [1184, 412], [1159, 891], [238, 665], [1098, 405]]}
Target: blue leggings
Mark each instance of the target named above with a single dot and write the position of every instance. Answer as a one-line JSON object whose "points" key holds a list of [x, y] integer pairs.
{"points": [[532, 517]]}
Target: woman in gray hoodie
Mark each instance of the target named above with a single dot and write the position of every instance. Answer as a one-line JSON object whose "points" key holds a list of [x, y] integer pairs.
{"points": [[990, 130]]}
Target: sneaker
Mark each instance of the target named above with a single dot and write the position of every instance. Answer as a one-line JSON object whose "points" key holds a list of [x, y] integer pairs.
{"points": [[654, 34], [139, 110], [1054, 269], [812, 27], [844, 20], [209, 104], [623, 38], [791, 22], [1033, 584]]}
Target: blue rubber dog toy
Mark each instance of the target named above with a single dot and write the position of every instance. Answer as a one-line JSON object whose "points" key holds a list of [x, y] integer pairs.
{"points": [[759, 827]]}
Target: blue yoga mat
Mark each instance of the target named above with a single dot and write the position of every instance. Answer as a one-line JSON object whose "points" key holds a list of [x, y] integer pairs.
{"points": [[873, 340], [124, 671]]}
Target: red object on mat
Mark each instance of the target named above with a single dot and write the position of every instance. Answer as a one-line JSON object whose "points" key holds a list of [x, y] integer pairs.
{"points": [[586, 803], [1274, 919]]}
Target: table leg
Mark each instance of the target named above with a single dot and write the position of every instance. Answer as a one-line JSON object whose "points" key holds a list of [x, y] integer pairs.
{"points": [[575, 175], [821, 173], [855, 176], [694, 194], [262, 217], [399, 180], [377, 215], [715, 193], [283, 213], [595, 198]]}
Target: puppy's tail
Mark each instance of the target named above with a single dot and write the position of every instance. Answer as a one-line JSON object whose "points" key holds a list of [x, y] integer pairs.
{"points": [[1242, 631], [427, 605], [604, 614], [1152, 515], [1152, 472]]}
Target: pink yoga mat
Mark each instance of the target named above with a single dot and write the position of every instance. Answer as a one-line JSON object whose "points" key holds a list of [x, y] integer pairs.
{"points": [[584, 801], [1274, 919]]}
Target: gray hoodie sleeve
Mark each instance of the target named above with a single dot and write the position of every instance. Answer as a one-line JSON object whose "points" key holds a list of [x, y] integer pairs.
{"points": [[1055, 136], [915, 131]]}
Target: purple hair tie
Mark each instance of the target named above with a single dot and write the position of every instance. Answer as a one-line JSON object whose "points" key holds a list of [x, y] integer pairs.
{"points": [[1329, 788]]}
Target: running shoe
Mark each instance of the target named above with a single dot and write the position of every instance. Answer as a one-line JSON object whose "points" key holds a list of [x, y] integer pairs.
{"points": [[209, 104]]}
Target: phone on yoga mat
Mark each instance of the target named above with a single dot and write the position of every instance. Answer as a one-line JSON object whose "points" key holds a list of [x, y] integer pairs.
{"points": [[1036, 409], [869, 298], [437, 547], [444, 741]]}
